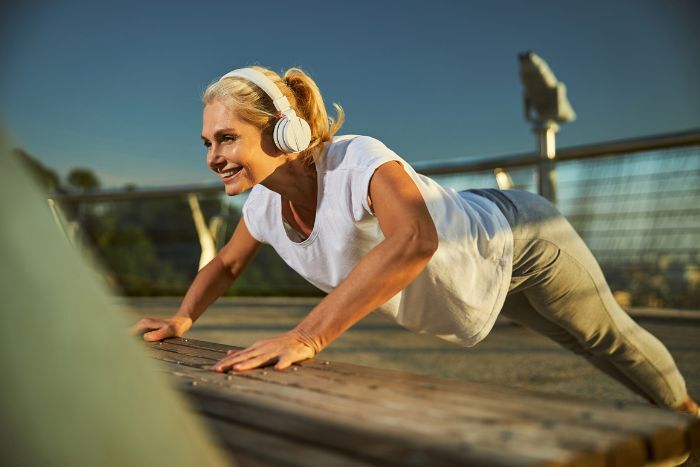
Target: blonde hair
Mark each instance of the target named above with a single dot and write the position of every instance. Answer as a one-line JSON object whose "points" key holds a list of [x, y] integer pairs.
{"points": [[255, 106]]}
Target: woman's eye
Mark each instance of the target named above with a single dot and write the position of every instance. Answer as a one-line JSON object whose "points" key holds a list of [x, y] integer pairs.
{"points": [[230, 138]]}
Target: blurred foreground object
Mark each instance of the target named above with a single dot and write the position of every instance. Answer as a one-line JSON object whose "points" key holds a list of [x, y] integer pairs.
{"points": [[77, 390], [546, 106]]}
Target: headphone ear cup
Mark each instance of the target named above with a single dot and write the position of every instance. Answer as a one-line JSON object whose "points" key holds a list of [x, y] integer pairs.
{"points": [[278, 135], [302, 133], [292, 134]]}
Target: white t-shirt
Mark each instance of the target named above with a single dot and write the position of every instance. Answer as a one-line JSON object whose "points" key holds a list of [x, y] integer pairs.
{"points": [[458, 295]]}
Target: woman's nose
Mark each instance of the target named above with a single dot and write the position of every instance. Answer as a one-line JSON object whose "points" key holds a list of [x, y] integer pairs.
{"points": [[213, 158]]}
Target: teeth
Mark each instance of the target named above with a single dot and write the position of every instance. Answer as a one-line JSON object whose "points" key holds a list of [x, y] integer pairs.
{"points": [[229, 173]]}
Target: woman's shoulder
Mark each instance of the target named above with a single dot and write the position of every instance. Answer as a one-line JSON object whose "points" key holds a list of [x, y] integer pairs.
{"points": [[355, 151], [357, 143], [258, 195]]}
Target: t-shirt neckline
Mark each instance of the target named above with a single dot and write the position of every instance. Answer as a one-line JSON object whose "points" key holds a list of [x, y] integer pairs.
{"points": [[314, 230]]}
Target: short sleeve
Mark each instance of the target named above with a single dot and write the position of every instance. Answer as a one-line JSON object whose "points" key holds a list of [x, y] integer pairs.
{"points": [[251, 215], [368, 154]]}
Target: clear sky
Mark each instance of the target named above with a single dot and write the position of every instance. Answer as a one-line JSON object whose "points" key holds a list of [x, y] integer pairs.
{"points": [[116, 86]]}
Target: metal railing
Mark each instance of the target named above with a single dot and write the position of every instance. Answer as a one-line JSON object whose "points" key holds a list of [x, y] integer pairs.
{"points": [[690, 138], [635, 202], [590, 151]]}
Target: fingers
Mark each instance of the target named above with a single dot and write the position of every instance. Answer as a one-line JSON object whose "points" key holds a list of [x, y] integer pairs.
{"points": [[236, 357], [144, 325], [159, 334], [161, 328], [242, 362], [283, 350], [283, 363], [261, 353], [255, 362]]}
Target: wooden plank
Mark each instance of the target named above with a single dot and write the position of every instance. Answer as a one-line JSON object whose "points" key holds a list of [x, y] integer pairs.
{"points": [[272, 450], [666, 433], [619, 447], [361, 425], [247, 460], [372, 448], [483, 442]]}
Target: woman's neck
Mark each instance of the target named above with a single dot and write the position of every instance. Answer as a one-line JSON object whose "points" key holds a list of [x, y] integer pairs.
{"points": [[296, 182]]}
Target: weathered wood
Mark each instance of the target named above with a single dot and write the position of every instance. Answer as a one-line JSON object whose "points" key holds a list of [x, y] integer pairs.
{"points": [[472, 420], [344, 406], [664, 432], [272, 450], [368, 432]]}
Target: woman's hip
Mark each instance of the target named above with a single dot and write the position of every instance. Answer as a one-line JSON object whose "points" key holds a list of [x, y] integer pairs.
{"points": [[540, 234]]}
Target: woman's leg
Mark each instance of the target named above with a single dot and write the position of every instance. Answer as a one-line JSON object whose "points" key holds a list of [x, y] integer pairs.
{"points": [[517, 308], [558, 289], [565, 286]]}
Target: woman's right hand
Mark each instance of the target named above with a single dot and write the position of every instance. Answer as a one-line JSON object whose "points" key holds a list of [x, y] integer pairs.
{"points": [[155, 329]]}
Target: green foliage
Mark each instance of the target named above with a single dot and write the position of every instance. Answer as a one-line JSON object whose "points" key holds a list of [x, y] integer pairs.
{"points": [[268, 274], [150, 247], [657, 283], [83, 179], [134, 242]]}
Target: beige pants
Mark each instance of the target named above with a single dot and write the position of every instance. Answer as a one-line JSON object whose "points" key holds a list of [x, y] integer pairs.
{"points": [[559, 290]]}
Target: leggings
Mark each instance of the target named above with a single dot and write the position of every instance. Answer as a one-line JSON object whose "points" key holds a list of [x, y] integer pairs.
{"points": [[558, 290]]}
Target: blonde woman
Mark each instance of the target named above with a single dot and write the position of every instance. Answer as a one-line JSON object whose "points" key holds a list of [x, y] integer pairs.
{"points": [[357, 221]]}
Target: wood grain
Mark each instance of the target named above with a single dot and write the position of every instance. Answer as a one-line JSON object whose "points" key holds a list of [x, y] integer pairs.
{"points": [[341, 414]]}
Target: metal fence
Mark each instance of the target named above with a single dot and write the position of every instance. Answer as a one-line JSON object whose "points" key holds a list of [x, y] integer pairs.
{"points": [[151, 242], [636, 203]]}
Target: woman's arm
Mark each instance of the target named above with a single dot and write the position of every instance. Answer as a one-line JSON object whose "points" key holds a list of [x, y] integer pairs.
{"points": [[410, 241], [212, 281]]}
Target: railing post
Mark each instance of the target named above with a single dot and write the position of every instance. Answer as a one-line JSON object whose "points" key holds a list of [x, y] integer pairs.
{"points": [[546, 166], [207, 238], [546, 105]]}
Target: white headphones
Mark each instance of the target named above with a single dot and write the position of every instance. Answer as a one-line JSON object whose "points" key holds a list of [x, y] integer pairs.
{"points": [[291, 133]]}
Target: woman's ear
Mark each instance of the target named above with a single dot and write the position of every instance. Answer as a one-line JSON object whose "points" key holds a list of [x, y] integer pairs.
{"points": [[267, 142]]}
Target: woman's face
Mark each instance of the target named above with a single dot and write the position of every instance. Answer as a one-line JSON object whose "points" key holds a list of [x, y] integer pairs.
{"points": [[238, 151]]}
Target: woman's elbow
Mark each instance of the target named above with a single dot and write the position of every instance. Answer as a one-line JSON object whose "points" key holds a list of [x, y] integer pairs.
{"points": [[431, 243], [423, 243], [226, 267]]}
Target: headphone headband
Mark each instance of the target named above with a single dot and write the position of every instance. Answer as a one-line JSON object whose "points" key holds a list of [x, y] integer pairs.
{"points": [[291, 133], [280, 102]]}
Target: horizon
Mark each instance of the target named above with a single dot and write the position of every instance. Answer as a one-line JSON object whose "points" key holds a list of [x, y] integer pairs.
{"points": [[127, 105]]}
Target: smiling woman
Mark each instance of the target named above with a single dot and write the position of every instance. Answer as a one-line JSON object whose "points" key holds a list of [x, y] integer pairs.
{"points": [[356, 220], [237, 149]]}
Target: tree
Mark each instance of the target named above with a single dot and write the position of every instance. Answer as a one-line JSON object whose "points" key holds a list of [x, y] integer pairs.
{"points": [[83, 179]]}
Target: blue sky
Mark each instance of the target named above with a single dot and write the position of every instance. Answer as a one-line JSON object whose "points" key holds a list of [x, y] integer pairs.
{"points": [[117, 87]]}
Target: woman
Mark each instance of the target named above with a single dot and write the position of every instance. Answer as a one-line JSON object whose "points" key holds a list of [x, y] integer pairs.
{"points": [[358, 222]]}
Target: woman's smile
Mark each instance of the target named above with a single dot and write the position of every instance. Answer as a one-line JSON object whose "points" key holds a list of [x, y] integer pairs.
{"points": [[230, 175], [240, 153]]}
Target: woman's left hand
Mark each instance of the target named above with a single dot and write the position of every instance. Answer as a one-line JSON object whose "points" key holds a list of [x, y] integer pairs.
{"points": [[283, 351]]}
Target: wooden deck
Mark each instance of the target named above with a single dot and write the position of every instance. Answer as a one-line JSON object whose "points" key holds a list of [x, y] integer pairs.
{"points": [[323, 413]]}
